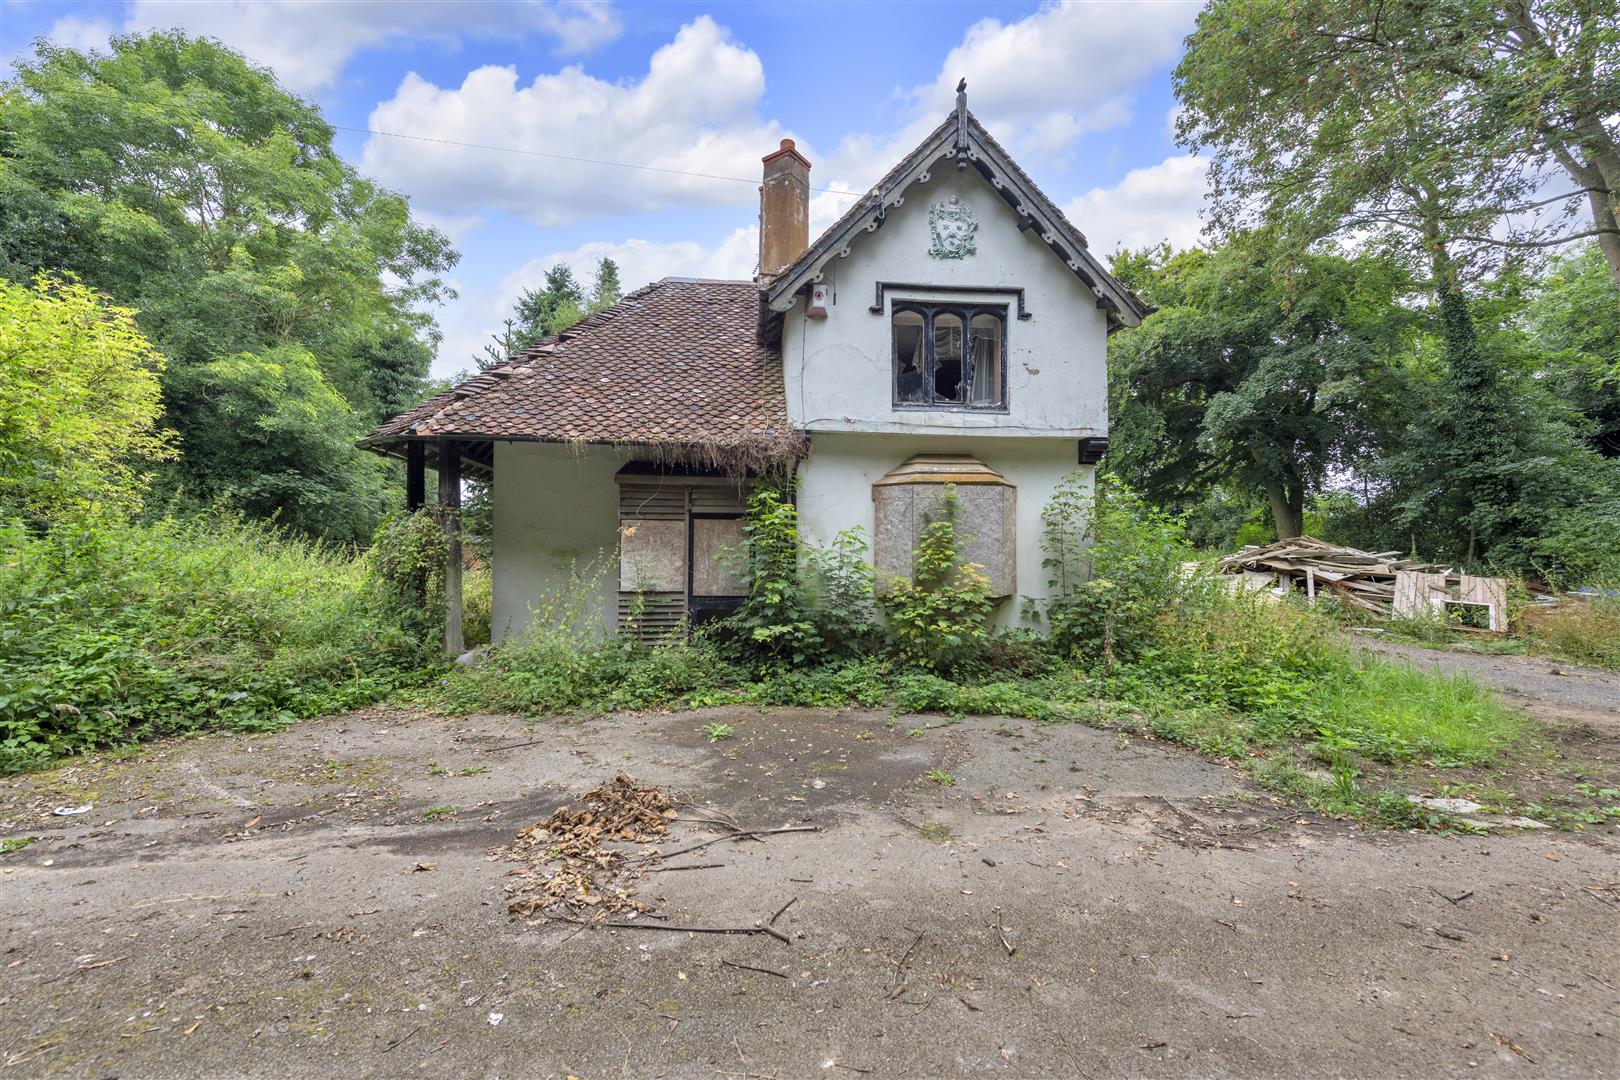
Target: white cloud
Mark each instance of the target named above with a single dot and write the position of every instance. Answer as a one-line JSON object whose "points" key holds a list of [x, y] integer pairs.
{"points": [[468, 322], [1039, 84], [1150, 205], [694, 111], [77, 32], [1066, 70], [308, 44]]}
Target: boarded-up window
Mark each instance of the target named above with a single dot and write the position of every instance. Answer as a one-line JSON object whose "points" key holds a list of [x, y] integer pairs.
{"points": [[712, 539], [652, 556], [911, 496], [674, 523]]}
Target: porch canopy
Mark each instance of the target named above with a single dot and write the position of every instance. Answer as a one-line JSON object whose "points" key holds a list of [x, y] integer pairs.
{"points": [[676, 367]]}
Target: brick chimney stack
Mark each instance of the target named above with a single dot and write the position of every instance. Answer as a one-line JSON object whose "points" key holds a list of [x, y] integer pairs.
{"points": [[784, 210]]}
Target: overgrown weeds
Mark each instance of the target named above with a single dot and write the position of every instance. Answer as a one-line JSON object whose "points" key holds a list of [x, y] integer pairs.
{"points": [[1142, 638], [1585, 631], [120, 632]]}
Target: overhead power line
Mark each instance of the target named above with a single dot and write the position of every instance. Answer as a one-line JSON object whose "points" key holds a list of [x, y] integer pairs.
{"points": [[571, 157]]}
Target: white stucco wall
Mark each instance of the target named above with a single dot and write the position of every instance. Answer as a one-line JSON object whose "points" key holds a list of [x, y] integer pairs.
{"points": [[556, 534], [835, 489], [839, 369]]}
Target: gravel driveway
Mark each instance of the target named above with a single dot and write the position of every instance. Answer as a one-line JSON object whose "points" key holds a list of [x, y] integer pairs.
{"points": [[326, 901]]}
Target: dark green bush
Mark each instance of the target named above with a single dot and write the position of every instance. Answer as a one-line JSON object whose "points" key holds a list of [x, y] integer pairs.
{"points": [[804, 605]]}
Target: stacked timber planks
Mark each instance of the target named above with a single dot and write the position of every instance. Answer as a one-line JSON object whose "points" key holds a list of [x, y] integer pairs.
{"points": [[1364, 579]]}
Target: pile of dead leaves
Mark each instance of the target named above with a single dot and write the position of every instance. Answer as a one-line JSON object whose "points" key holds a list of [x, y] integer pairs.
{"points": [[569, 868]]}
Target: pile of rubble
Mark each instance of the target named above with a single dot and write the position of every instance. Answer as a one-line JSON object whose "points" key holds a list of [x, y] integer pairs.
{"points": [[1383, 582], [572, 864]]}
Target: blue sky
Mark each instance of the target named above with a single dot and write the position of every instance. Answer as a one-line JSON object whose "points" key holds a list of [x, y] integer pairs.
{"points": [[1080, 93]]}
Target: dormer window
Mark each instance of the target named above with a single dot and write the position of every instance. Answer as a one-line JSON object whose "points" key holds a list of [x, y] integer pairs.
{"points": [[950, 356]]}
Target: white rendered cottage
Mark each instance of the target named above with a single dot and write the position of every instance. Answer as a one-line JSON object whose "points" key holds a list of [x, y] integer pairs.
{"points": [[950, 328]]}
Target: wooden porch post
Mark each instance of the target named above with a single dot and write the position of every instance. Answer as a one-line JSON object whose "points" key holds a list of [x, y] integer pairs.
{"points": [[415, 476], [450, 507]]}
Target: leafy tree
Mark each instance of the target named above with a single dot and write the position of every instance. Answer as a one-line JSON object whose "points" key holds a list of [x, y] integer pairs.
{"points": [[184, 182], [79, 404], [540, 313], [1261, 369], [1363, 94], [1393, 125], [281, 436], [605, 289], [554, 306], [1574, 323]]}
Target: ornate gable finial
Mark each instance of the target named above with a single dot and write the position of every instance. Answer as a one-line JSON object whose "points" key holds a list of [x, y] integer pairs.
{"points": [[961, 125]]}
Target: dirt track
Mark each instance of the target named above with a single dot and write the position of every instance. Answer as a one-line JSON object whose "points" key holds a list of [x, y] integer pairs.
{"points": [[1077, 904]]}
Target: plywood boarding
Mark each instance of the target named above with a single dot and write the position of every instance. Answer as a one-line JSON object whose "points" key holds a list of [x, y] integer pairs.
{"points": [[1419, 595], [712, 538], [1425, 596], [652, 556]]}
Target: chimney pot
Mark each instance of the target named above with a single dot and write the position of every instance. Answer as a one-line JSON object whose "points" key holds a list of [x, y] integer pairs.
{"points": [[784, 209]]}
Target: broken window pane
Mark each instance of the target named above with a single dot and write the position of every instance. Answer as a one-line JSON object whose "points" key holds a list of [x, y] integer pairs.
{"points": [[947, 357], [950, 355], [986, 359], [909, 361]]}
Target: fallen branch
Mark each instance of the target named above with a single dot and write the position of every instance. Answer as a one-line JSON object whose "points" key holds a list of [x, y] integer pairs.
{"points": [[900, 965], [742, 834], [670, 869], [751, 967], [756, 929], [1001, 932], [772, 920], [102, 963], [401, 1041], [514, 746]]}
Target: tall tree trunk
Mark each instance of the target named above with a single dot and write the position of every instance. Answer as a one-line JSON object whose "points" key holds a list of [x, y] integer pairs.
{"points": [[1575, 127], [1474, 428], [1602, 195], [1287, 508]]}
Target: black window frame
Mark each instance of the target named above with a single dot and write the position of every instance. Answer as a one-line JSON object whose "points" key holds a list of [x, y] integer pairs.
{"points": [[928, 309]]}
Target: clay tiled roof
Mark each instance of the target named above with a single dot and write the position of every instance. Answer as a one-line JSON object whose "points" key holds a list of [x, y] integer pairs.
{"points": [[674, 365]]}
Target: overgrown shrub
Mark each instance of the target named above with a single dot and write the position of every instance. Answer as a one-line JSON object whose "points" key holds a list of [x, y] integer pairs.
{"points": [[804, 605], [1115, 566], [559, 672], [119, 633], [841, 590], [773, 626], [406, 564], [477, 604], [80, 404], [938, 619]]}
